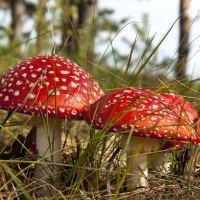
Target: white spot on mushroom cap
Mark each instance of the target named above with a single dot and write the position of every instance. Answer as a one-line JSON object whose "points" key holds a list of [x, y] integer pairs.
{"points": [[24, 75], [127, 91], [62, 110], [99, 120], [19, 82], [56, 79], [33, 75], [84, 91], [74, 112], [74, 85], [124, 125], [101, 92], [90, 101], [39, 69], [78, 99], [153, 118], [63, 87], [54, 92], [31, 96], [155, 106], [16, 93], [75, 78], [6, 98], [66, 96], [64, 72], [77, 73]]}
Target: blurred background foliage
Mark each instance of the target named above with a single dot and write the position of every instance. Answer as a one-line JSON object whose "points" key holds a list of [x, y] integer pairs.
{"points": [[75, 29]]}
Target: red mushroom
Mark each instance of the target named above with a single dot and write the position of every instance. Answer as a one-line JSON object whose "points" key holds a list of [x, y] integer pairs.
{"points": [[51, 87], [156, 122]]}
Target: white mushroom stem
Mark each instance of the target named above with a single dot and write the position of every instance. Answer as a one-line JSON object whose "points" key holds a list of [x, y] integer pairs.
{"points": [[142, 148], [161, 161], [139, 169], [48, 142]]}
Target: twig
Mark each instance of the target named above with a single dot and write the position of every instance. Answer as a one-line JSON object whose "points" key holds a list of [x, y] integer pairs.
{"points": [[15, 191], [110, 161], [5, 120]]}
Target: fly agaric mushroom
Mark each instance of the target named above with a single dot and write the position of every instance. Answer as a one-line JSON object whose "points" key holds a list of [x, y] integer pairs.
{"points": [[156, 122], [52, 88]]}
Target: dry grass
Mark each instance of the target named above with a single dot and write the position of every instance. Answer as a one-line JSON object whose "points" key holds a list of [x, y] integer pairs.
{"points": [[96, 179]]}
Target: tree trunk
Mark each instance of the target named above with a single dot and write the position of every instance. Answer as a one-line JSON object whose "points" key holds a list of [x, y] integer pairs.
{"points": [[69, 40], [40, 27], [183, 40], [80, 14], [17, 10], [85, 13]]}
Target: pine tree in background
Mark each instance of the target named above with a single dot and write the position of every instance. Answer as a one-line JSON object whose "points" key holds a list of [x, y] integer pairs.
{"points": [[183, 39]]}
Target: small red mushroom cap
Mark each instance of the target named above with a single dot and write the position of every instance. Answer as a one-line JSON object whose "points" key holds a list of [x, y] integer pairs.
{"points": [[146, 113], [185, 107], [47, 84]]}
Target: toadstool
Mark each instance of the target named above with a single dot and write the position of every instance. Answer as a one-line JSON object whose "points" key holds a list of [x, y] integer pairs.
{"points": [[155, 122], [51, 88]]}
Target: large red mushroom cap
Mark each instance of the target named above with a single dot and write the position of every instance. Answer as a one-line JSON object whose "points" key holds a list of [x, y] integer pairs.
{"points": [[147, 114], [48, 84]]}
